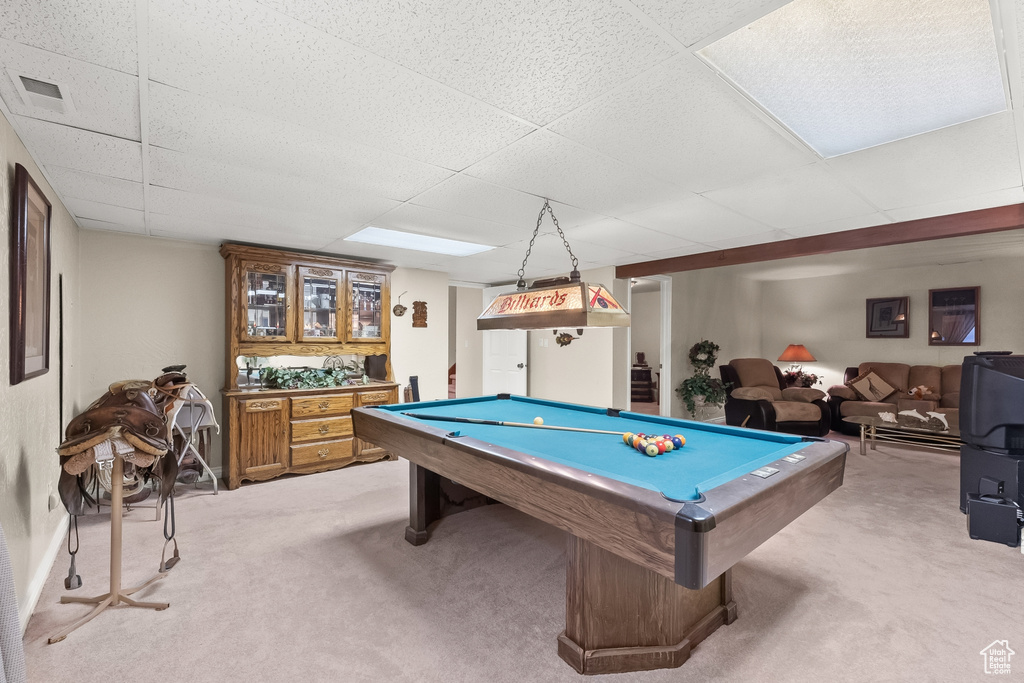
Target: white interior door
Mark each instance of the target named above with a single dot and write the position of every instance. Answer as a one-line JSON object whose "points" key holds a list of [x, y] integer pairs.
{"points": [[504, 356]]}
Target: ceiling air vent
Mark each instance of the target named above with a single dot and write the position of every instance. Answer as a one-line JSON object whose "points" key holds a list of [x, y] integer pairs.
{"points": [[42, 94]]}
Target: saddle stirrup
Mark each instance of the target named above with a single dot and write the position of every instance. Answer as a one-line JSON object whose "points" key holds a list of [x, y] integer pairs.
{"points": [[73, 580], [167, 564]]}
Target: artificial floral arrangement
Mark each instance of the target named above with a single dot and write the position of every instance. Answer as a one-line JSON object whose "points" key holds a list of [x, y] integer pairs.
{"points": [[313, 378], [702, 357], [799, 378]]}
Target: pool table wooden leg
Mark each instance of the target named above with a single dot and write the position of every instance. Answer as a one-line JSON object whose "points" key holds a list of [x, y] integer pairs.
{"points": [[623, 617], [424, 503]]}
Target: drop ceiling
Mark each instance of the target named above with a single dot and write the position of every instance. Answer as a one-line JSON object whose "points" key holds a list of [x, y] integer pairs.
{"points": [[296, 123]]}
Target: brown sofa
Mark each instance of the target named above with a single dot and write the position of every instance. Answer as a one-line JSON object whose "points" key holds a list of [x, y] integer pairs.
{"points": [[943, 396]]}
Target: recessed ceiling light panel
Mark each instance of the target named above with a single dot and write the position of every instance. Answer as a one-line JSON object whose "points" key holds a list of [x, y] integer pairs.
{"points": [[409, 240], [845, 75]]}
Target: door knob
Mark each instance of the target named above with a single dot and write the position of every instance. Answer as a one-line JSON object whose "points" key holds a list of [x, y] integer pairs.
{"points": [[521, 366]]}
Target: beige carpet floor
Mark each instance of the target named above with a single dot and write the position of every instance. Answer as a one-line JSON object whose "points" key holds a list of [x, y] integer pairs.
{"points": [[309, 579]]}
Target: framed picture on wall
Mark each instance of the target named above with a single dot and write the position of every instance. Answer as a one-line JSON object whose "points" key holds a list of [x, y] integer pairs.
{"points": [[888, 317], [30, 279], [954, 316]]}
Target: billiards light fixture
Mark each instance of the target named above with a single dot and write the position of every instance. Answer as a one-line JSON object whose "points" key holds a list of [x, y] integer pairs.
{"points": [[562, 302]]}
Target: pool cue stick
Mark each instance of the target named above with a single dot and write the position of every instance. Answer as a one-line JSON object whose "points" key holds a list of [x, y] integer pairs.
{"points": [[499, 423]]}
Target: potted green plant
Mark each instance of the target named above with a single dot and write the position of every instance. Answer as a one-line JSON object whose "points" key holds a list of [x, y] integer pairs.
{"points": [[701, 390]]}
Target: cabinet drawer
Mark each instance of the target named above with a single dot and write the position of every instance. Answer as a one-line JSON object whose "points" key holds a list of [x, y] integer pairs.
{"points": [[320, 430], [376, 398], [322, 405], [325, 451]]}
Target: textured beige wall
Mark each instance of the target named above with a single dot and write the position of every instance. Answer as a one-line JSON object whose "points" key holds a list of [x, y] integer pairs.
{"points": [[148, 303], [827, 315], [468, 341], [30, 411], [421, 351], [716, 305]]}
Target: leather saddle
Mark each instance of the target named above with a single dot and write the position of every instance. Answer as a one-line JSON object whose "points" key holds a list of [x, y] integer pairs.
{"points": [[131, 413]]}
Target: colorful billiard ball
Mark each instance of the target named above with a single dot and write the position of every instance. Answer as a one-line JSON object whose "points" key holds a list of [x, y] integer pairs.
{"points": [[538, 420], [627, 437], [652, 450]]}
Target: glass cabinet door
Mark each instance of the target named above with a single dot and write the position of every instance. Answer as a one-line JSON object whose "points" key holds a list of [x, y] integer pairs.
{"points": [[365, 306], [321, 291], [268, 312]]}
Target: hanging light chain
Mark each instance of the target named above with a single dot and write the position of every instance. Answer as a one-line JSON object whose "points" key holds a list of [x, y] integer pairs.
{"points": [[521, 283]]}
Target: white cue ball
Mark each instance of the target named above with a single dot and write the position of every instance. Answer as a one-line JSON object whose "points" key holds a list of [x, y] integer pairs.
{"points": [[538, 420]]}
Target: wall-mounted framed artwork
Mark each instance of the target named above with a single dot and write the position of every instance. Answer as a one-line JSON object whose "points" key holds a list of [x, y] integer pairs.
{"points": [[888, 318], [30, 279], [954, 316]]}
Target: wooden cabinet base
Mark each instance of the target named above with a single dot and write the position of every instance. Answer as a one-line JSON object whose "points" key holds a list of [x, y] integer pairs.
{"points": [[622, 617], [297, 431]]}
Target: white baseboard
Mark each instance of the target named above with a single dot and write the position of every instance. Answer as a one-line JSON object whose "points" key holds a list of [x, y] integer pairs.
{"points": [[35, 586]]}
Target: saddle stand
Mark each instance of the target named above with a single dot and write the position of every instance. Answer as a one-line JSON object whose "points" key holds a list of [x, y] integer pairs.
{"points": [[117, 596]]}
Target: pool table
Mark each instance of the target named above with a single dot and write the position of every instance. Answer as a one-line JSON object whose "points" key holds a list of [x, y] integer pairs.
{"points": [[651, 539]]}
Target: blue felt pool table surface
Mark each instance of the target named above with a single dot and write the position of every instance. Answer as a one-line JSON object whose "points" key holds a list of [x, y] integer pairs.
{"points": [[713, 454]]}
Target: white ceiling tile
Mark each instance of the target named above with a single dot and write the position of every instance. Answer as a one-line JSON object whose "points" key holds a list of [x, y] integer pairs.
{"points": [[281, 66], [535, 60], [971, 158], [749, 240], [1013, 195], [196, 125], [55, 145], [98, 188], [681, 123], [176, 227], [212, 209], [673, 253], [83, 208], [104, 100], [469, 196], [90, 224], [549, 165], [251, 186], [98, 31], [689, 21], [695, 219], [851, 223], [793, 198], [624, 237]]}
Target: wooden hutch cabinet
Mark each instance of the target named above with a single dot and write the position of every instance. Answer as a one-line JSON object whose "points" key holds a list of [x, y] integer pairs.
{"points": [[288, 303]]}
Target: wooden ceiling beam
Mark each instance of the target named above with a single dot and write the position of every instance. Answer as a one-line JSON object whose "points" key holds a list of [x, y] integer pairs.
{"points": [[922, 229]]}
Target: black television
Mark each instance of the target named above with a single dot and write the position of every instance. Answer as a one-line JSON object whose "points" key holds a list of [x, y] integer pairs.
{"points": [[992, 402]]}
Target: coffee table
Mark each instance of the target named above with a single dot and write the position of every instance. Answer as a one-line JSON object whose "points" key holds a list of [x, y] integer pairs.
{"points": [[873, 428]]}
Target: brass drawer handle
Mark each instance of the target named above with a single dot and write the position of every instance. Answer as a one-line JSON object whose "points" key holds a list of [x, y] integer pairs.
{"points": [[324, 452], [324, 429], [324, 405]]}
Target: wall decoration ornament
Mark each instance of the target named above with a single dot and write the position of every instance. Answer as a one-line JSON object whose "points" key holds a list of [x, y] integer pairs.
{"points": [[419, 313], [888, 318], [30, 279], [399, 310]]}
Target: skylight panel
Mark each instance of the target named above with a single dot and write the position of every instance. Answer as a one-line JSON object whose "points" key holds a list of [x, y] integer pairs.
{"points": [[845, 75], [409, 240]]}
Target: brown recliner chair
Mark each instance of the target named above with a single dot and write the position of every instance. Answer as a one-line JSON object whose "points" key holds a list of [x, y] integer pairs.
{"points": [[758, 398]]}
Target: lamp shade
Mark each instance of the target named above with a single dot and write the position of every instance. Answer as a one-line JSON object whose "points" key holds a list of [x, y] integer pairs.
{"points": [[796, 353]]}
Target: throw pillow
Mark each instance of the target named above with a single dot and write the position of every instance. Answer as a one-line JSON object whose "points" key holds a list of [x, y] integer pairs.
{"points": [[871, 387]]}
